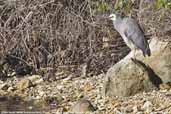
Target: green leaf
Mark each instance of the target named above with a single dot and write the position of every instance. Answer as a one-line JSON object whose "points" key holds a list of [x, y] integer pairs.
{"points": [[123, 4], [161, 17], [102, 6]]}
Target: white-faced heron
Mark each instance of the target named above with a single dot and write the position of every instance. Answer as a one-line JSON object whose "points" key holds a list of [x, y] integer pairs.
{"points": [[131, 33]]}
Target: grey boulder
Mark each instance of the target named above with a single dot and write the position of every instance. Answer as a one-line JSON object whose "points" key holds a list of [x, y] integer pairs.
{"points": [[130, 76]]}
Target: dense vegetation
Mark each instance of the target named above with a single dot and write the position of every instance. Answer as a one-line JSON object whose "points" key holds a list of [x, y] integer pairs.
{"points": [[72, 35]]}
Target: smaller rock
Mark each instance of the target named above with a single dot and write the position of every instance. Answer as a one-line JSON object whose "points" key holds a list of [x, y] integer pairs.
{"points": [[165, 86], [88, 87], [135, 109], [139, 113], [30, 108], [84, 70], [117, 111], [68, 78], [83, 106], [10, 89], [40, 103], [147, 106], [4, 86], [23, 84], [59, 87], [37, 97], [54, 100], [1, 82], [35, 79], [129, 110], [41, 93], [58, 98]]}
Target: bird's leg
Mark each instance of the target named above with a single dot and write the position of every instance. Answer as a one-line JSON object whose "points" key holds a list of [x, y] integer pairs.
{"points": [[134, 58], [135, 54]]}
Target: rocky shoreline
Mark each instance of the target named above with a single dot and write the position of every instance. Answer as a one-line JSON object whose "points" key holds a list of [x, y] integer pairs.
{"points": [[63, 96]]}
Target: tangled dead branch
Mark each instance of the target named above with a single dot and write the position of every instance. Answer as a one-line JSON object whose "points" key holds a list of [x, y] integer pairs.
{"points": [[67, 34]]}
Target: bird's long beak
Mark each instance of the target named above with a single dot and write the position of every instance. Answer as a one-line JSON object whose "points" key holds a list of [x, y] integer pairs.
{"points": [[110, 16]]}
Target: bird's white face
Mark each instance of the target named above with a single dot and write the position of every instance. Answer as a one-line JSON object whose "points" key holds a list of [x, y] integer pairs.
{"points": [[112, 17]]}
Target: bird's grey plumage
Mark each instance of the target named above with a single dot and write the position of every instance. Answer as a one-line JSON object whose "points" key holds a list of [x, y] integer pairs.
{"points": [[132, 34]]}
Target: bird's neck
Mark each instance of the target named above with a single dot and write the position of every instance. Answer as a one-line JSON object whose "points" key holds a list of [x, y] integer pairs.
{"points": [[117, 23]]}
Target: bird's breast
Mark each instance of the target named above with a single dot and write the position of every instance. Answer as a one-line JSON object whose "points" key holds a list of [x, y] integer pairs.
{"points": [[129, 43]]}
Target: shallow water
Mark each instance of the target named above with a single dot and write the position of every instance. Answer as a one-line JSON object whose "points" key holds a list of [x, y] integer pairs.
{"points": [[17, 104]]}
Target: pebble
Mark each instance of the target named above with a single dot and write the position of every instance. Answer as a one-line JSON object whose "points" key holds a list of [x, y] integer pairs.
{"points": [[23, 84], [41, 93], [35, 79], [4, 86], [117, 111], [135, 109], [147, 106], [10, 89], [59, 87]]}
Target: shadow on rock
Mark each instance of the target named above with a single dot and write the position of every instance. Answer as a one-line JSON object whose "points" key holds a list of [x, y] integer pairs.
{"points": [[154, 78]]}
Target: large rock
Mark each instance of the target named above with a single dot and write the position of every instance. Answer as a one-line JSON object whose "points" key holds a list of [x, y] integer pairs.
{"points": [[130, 76]]}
